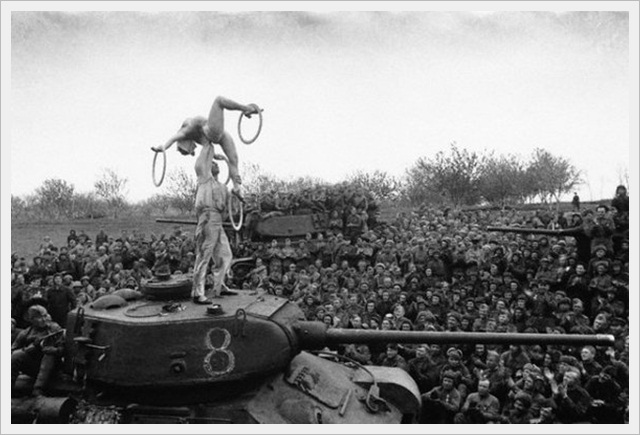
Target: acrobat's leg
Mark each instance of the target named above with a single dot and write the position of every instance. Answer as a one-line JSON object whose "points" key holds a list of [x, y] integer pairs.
{"points": [[229, 148], [222, 256], [217, 134], [215, 122]]}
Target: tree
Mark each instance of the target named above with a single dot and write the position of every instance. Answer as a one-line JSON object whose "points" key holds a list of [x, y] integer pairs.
{"points": [[502, 179], [257, 182], [160, 202], [455, 175], [18, 207], [112, 188], [54, 198], [418, 187], [88, 205], [181, 190], [379, 183], [552, 175]]}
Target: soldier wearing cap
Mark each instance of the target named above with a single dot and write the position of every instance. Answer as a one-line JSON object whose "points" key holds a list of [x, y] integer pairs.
{"points": [[441, 403], [601, 280], [462, 376], [497, 375], [546, 272], [599, 254], [573, 401], [480, 407], [393, 359], [37, 349], [520, 411], [421, 368], [60, 300]]}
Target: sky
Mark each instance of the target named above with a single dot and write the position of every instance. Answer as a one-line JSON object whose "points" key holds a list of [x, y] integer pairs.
{"points": [[341, 91]]}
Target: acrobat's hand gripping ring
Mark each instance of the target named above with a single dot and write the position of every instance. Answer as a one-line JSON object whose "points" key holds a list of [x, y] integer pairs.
{"points": [[253, 139], [164, 168], [235, 206]]}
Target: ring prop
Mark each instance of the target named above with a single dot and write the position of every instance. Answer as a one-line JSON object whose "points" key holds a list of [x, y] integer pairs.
{"points": [[221, 157], [164, 168], [253, 139], [235, 206]]}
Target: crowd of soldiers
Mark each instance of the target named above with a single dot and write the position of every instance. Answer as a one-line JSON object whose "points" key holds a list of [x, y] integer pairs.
{"points": [[427, 270]]}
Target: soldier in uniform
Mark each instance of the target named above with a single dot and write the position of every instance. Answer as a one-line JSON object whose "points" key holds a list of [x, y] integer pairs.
{"points": [[37, 349]]}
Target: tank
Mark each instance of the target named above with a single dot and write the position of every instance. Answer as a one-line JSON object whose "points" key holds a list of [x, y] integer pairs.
{"points": [[249, 358], [272, 225], [267, 227]]}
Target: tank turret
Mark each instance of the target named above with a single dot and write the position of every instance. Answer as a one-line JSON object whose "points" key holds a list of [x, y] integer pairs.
{"points": [[244, 335]]}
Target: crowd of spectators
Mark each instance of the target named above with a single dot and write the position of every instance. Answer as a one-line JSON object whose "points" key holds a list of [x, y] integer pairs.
{"points": [[426, 270]]}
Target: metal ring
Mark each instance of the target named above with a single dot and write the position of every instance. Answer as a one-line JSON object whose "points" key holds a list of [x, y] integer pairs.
{"points": [[236, 225], [164, 168], [226, 160], [248, 142]]}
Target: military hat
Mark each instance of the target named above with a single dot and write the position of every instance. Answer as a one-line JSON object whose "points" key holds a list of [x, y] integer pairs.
{"points": [[599, 247], [618, 321], [36, 311], [454, 353], [568, 359], [611, 289], [525, 398], [454, 314], [449, 374]]}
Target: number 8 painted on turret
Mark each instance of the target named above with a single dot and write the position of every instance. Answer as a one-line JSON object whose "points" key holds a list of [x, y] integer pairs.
{"points": [[220, 360]]}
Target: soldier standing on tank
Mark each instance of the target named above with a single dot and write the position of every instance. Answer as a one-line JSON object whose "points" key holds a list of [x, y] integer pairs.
{"points": [[211, 195], [211, 240]]}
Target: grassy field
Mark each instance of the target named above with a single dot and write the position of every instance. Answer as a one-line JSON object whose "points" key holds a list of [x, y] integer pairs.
{"points": [[26, 237]]}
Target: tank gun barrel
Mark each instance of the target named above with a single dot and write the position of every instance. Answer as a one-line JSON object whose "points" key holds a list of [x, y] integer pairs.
{"points": [[183, 222], [566, 232], [316, 334], [176, 221]]}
